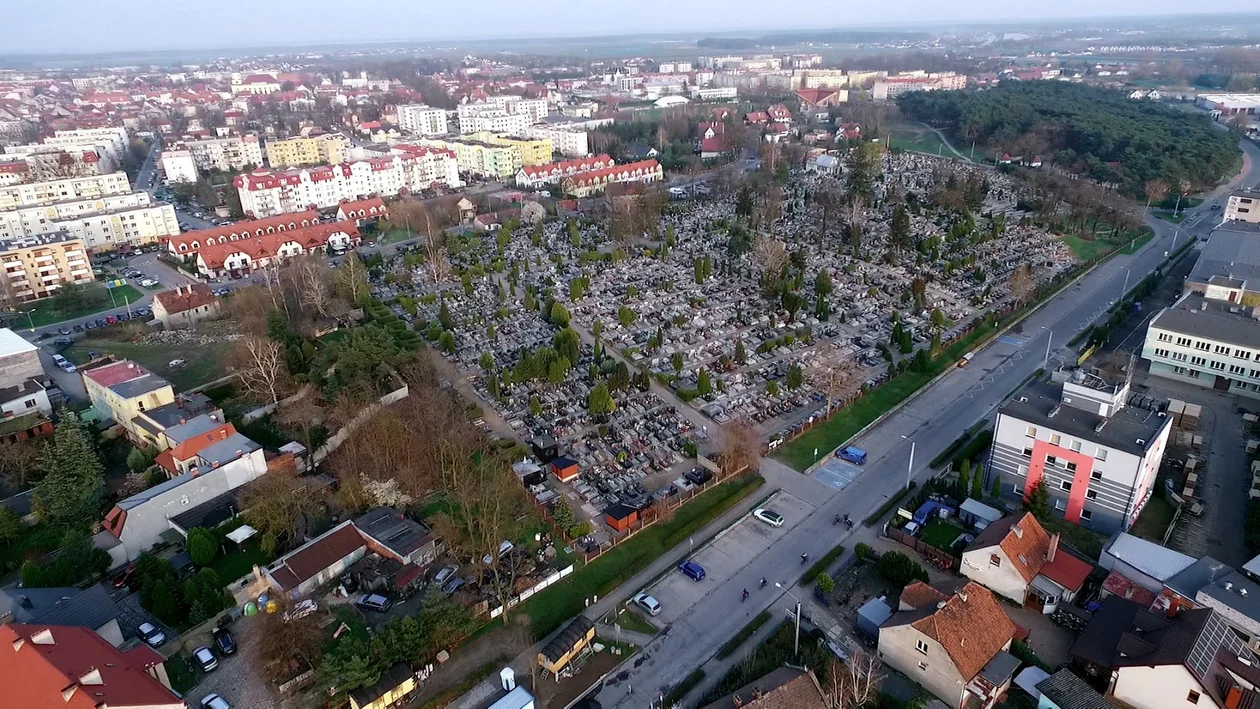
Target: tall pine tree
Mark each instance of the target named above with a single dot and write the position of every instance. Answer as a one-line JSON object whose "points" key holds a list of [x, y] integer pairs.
{"points": [[74, 480]]}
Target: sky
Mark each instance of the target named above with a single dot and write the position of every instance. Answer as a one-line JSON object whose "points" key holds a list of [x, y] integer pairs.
{"points": [[86, 26]]}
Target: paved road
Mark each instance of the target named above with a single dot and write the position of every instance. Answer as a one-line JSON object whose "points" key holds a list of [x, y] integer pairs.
{"points": [[932, 420]]}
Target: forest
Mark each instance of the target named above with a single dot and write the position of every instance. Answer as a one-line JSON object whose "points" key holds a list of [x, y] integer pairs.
{"points": [[1100, 133]]}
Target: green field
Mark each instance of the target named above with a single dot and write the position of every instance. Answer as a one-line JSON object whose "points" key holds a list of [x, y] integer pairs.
{"points": [[1177, 218], [1093, 249], [96, 298], [204, 363], [918, 138], [1154, 520]]}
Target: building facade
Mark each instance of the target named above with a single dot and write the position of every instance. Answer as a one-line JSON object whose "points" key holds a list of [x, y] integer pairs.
{"points": [[422, 120], [37, 193], [124, 390], [104, 223], [499, 162], [294, 152], [115, 140], [1208, 339], [584, 184], [178, 165], [537, 176], [225, 257], [534, 151], [1243, 206], [1098, 456], [228, 154], [35, 267], [571, 143], [410, 169]]}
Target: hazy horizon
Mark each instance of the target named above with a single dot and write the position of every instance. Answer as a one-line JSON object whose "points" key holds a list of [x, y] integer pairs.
{"points": [[61, 27]]}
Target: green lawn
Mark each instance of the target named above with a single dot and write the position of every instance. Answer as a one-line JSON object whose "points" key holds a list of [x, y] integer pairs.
{"points": [[940, 534], [633, 621], [551, 608], [1092, 249], [1086, 541], [96, 298], [395, 234], [917, 138], [1154, 520], [204, 363], [844, 424], [1177, 218], [240, 561], [182, 676]]}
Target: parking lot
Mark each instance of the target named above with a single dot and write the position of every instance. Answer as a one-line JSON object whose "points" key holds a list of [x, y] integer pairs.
{"points": [[725, 557], [837, 473], [237, 678]]}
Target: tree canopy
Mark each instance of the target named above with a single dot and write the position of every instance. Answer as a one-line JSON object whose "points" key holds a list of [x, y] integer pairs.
{"points": [[1097, 132]]}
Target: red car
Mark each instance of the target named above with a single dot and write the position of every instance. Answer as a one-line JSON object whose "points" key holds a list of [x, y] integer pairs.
{"points": [[124, 579], [110, 319]]}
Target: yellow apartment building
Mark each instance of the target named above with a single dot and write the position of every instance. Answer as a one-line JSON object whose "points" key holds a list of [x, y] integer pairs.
{"points": [[35, 267], [331, 149]]}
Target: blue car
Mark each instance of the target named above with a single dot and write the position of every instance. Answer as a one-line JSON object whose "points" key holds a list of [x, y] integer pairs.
{"points": [[694, 571]]}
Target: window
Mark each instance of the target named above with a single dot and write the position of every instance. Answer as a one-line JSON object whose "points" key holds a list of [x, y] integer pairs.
{"points": [[1197, 360], [1017, 489], [29, 403], [994, 560], [1071, 467], [1091, 494], [1028, 452], [1179, 356], [1237, 369], [1183, 341], [1058, 505], [1242, 354], [1221, 349], [1192, 373], [1101, 454], [1161, 352], [1087, 515], [1065, 485], [1076, 446], [1192, 697], [1031, 431], [1165, 337], [1216, 365], [1055, 438], [1051, 460], [921, 647], [1200, 345], [923, 666], [1096, 475]]}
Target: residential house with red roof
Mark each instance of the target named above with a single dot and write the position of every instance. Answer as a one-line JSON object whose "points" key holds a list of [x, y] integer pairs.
{"points": [[535, 176], [247, 255], [584, 184], [712, 140], [362, 210], [185, 306], [43, 666], [821, 98], [1016, 558], [953, 644]]}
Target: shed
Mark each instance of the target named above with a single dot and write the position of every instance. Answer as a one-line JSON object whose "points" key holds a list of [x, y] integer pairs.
{"points": [[565, 469], [518, 698], [396, 686], [871, 615], [621, 517], [566, 645], [977, 514]]}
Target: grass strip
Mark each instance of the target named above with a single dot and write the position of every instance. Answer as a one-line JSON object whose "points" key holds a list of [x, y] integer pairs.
{"points": [[887, 506], [746, 632], [952, 448], [822, 564], [675, 695]]}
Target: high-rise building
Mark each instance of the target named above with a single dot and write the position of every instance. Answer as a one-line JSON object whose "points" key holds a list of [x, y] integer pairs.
{"points": [[89, 187], [295, 152], [419, 119]]}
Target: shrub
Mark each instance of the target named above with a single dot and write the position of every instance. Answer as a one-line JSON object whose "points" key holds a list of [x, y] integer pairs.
{"points": [[900, 569], [202, 546], [825, 583], [863, 551]]}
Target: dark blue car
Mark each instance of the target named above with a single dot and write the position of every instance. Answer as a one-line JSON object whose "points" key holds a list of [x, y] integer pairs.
{"points": [[694, 571]]}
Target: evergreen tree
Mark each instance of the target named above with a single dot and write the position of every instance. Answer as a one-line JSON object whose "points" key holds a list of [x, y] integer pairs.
{"points": [[600, 401], [795, 377], [977, 484], [1037, 500], [74, 480], [995, 490], [704, 384], [964, 480], [741, 355], [444, 316]]}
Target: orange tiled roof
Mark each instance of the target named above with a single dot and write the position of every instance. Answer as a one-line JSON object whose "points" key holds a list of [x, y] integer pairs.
{"points": [[972, 628]]}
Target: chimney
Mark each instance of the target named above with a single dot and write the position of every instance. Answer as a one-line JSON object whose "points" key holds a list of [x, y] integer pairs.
{"points": [[1242, 592], [962, 593], [736, 701], [756, 693], [1017, 531], [1229, 586], [1054, 547]]}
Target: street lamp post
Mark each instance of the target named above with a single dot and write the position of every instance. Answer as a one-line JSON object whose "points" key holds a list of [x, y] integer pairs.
{"points": [[1125, 292], [796, 643], [910, 465], [1045, 364]]}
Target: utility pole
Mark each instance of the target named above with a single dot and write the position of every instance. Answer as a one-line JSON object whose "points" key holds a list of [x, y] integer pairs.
{"points": [[1045, 364], [910, 465], [796, 644]]}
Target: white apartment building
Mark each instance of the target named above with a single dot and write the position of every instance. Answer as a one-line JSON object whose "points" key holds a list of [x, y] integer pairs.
{"points": [[474, 118], [127, 227], [1097, 455], [419, 119], [228, 154], [536, 108], [266, 193], [1210, 339], [716, 93], [70, 188], [45, 162], [138, 219], [1243, 206], [113, 139], [178, 166], [570, 143]]}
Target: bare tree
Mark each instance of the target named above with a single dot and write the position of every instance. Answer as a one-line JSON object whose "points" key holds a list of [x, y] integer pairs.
{"points": [[827, 198], [831, 373], [1156, 191], [853, 684], [310, 277], [1020, 284], [261, 367], [352, 280], [19, 464], [279, 505], [855, 217], [771, 256], [741, 447]]}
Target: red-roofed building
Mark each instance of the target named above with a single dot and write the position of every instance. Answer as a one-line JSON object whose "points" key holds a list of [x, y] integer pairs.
{"points": [[586, 183], [712, 140], [246, 255], [189, 242], [820, 98], [779, 113], [257, 84], [1016, 558], [361, 210], [60, 666], [185, 306], [536, 176]]}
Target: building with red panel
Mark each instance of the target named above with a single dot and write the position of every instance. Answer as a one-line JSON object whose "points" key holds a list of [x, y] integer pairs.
{"points": [[1097, 453]]}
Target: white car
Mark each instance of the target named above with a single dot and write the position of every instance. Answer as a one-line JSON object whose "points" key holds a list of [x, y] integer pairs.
{"points": [[770, 517], [647, 603], [64, 363], [206, 659], [214, 701], [151, 634], [148, 283]]}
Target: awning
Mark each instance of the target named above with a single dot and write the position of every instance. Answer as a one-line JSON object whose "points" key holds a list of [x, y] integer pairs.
{"points": [[241, 533]]}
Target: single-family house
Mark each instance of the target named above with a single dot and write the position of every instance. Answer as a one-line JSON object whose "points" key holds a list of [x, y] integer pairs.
{"points": [[123, 391], [396, 536], [321, 560], [185, 306], [1139, 569], [639, 152], [361, 211], [1016, 558], [783, 688], [954, 645]]}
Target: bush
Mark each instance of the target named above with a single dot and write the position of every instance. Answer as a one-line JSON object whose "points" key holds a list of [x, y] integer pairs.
{"points": [[897, 568], [825, 583], [202, 546], [863, 551]]}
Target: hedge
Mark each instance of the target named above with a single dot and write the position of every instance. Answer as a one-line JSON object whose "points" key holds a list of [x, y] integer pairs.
{"points": [[888, 506], [746, 632]]}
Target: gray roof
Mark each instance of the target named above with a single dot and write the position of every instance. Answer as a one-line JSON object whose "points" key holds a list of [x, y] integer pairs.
{"points": [[1068, 691], [1001, 668], [145, 495], [1155, 560], [26, 604], [1188, 316], [393, 530], [204, 423], [1232, 252], [1123, 430], [1194, 577], [139, 386], [1242, 594], [390, 679], [227, 450], [186, 407], [568, 638], [90, 609]]}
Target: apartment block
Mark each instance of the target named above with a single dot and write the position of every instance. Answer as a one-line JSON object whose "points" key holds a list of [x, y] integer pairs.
{"points": [[103, 223], [115, 140], [35, 267], [495, 120], [1243, 206], [500, 162], [419, 119], [1209, 339], [50, 162], [409, 169], [534, 151], [295, 152], [1097, 455], [568, 142], [584, 184], [178, 165], [227, 154], [37, 193]]}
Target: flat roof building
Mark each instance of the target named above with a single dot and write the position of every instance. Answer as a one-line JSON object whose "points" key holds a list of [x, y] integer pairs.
{"points": [[1209, 339]]}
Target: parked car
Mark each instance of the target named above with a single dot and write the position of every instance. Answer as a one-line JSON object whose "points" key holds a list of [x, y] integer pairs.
{"points": [[647, 603], [853, 454], [205, 658], [124, 578], [692, 570], [78, 328], [453, 585], [176, 363], [214, 701], [63, 342], [64, 363], [444, 573], [224, 641], [63, 331], [150, 634], [145, 312], [148, 282], [372, 602], [111, 320], [770, 517]]}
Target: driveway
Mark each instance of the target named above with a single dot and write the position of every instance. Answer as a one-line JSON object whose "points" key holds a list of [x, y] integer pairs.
{"points": [[239, 678]]}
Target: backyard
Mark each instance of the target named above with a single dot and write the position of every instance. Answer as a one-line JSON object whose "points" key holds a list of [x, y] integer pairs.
{"points": [[204, 363], [95, 298], [941, 534], [1154, 520]]}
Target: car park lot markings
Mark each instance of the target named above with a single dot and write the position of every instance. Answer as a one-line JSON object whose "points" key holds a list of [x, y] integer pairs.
{"points": [[1011, 340], [725, 557], [837, 473]]}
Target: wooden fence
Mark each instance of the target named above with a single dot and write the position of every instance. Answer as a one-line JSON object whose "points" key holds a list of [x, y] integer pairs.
{"points": [[939, 558]]}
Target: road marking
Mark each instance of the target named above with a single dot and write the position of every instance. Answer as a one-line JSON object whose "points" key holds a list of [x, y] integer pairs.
{"points": [[1011, 340]]}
